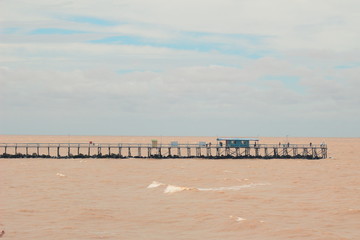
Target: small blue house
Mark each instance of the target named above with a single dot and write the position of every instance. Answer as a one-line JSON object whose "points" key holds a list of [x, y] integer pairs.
{"points": [[237, 142]]}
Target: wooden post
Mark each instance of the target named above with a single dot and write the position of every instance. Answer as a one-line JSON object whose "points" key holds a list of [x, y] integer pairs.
{"points": [[27, 150], [149, 151], [295, 151], [198, 152], [188, 151], [305, 152], [69, 151], [217, 152], [247, 151], [15, 149], [109, 151], [323, 152], [48, 151], [313, 152], [227, 151], [275, 152], [78, 150], [58, 151], [169, 151], [285, 151], [38, 150], [139, 151], [266, 152], [129, 152], [179, 152], [5, 149], [120, 151], [159, 149]]}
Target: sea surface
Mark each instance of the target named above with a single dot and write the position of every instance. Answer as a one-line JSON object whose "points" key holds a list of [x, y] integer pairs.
{"points": [[181, 198]]}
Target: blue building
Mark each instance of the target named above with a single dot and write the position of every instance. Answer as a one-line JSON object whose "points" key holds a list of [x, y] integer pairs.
{"points": [[237, 142]]}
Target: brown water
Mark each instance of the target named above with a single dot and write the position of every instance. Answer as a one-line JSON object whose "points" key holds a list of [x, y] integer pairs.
{"points": [[190, 198]]}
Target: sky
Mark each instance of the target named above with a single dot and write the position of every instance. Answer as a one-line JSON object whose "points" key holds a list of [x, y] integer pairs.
{"points": [[180, 68]]}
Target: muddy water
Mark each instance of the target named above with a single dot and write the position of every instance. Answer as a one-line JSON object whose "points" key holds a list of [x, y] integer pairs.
{"points": [[181, 198]]}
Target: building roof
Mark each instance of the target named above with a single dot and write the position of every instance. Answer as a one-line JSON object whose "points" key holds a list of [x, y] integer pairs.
{"points": [[241, 139]]}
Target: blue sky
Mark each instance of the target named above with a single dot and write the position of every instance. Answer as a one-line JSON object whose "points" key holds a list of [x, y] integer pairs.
{"points": [[230, 68]]}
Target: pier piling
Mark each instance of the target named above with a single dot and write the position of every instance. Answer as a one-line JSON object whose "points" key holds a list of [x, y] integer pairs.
{"points": [[164, 150]]}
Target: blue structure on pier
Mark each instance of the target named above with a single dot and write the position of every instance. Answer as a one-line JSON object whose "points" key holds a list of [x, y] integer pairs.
{"points": [[237, 142]]}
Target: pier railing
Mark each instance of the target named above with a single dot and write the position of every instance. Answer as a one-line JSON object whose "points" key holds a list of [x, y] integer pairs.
{"points": [[178, 150]]}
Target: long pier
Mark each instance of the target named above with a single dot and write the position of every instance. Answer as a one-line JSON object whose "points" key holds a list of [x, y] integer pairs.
{"points": [[134, 150]]}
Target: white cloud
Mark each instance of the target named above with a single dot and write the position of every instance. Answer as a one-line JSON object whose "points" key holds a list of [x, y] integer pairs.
{"points": [[195, 93], [218, 63]]}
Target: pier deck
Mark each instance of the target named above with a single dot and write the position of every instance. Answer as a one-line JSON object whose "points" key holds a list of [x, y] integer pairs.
{"points": [[136, 150]]}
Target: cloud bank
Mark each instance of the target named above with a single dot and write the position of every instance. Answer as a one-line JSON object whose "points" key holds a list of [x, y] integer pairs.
{"points": [[234, 68]]}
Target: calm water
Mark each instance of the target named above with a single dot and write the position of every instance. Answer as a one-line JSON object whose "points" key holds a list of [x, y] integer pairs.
{"points": [[181, 198]]}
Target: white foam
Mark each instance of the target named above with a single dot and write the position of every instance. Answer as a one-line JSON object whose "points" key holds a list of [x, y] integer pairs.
{"points": [[239, 219], [60, 175], [233, 188], [174, 189], [155, 184]]}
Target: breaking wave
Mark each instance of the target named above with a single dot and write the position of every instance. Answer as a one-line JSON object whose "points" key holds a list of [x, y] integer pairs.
{"points": [[234, 188], [155, 184], [173, 189]]}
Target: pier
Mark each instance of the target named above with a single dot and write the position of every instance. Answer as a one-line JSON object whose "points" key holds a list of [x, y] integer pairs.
{"points": [[232, 148]]}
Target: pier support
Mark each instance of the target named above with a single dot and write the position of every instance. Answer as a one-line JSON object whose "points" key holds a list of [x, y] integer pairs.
{"points": [[295, 152], [227, 151], [237, 152], [208, 151], [247, 151], [285, 152], [323, 152], [314, 153], [198, 152], [305, 152], [257, 152], [276, 154], [167, 150]]}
